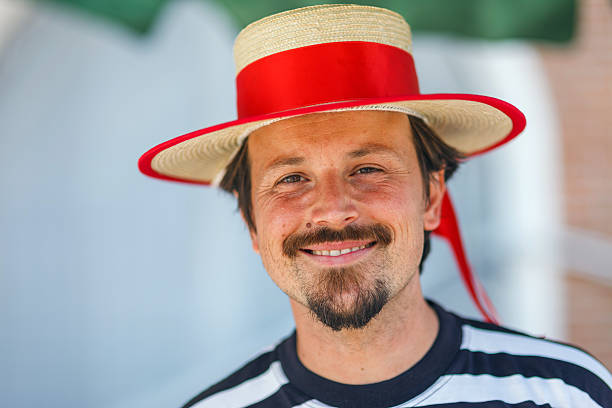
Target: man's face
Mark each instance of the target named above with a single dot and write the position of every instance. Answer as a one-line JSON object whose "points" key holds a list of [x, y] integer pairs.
{"points": [[339, 210]]}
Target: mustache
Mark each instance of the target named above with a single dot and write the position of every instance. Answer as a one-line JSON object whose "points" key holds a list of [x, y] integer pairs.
{"points": [[375, 232]]}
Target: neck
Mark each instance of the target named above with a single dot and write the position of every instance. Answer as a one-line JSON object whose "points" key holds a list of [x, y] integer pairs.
{"points": [[395, 340]]}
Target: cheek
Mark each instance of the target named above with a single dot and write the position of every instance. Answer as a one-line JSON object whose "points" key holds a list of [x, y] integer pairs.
{"points": [[280, 213], [398, 199], [401, 206], [276, 220]]}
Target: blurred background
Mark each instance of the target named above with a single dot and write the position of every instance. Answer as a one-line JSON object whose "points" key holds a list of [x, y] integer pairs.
{"points": [[117, 290]]}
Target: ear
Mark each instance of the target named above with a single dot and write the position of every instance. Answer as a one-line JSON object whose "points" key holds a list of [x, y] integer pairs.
{"points": [[437, 188], [252, 233], [254, 241]]}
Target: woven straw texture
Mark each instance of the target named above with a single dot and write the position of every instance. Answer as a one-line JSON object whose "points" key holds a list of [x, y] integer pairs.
{"points": [[317, 25], [466, 125]]}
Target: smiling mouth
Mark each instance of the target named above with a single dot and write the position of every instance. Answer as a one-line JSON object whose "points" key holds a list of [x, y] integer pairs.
{"points": [[337, 252]]}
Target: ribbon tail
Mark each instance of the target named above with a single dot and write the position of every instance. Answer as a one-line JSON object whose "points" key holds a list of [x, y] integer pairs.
{"points": [[449, 230]]}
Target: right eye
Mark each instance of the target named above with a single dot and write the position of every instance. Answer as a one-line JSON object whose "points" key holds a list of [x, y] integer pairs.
{"points": [[290, 179]]}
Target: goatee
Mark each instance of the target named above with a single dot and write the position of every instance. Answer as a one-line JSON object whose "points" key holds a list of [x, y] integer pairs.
{"points": [[327, 302]]}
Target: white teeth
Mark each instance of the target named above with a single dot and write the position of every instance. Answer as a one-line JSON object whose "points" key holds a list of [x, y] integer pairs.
{"points": [[338, 252]]}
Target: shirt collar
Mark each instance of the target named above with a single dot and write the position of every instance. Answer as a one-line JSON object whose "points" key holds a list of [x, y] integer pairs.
{"points": [[387, 393]]}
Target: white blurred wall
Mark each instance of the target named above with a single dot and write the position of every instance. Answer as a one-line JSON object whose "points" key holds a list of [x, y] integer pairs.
{"points": [[122, 291]]}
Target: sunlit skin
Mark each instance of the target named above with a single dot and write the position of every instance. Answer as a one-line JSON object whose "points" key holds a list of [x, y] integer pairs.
{"points": [[332, 170]]}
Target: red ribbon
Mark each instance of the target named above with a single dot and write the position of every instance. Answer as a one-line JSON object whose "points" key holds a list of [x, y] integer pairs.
{"points": [[449, 230], [324, 73]]}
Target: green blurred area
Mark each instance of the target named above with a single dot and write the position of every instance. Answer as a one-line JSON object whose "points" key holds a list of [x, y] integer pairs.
{"points": [[547, 20], [138, 15]]}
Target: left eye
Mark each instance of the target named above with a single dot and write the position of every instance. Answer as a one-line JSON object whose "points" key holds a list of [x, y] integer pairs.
{"points": [[365, 170]]}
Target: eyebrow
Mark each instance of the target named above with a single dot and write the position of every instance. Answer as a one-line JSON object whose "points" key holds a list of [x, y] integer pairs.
{"points": [[285, 161], [372, 148]]}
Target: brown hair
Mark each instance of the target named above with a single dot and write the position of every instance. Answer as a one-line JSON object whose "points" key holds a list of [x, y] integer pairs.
{"points": [[432, 153]]}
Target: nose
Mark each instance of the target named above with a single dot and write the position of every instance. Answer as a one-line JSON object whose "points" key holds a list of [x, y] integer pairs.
{"points": [[333, 206]]}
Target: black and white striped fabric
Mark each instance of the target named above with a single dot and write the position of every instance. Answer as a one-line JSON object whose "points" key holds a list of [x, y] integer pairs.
{"points": [[471, 364]]}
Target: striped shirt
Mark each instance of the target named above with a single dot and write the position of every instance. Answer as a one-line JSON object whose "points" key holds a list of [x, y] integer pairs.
{"points": [[470, 364]]}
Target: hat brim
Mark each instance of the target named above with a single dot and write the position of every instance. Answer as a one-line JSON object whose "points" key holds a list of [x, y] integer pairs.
{"points": [[473, 124]]}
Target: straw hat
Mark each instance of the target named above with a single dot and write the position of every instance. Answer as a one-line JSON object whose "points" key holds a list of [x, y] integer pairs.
{"points": [[334, 58], [329, 58]]}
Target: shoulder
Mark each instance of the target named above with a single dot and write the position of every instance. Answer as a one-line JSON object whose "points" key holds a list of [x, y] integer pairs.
{"points": [[254, 381], [492, 340], [499, 358]]}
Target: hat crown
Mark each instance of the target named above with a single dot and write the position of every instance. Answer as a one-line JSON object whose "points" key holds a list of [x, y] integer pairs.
{"points": [[318, 25]]}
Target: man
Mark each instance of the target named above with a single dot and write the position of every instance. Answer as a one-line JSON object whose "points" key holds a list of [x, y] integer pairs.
{"points": [[339, 167]]}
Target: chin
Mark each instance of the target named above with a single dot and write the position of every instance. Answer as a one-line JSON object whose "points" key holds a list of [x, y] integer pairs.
{"points": [[350, 305]]}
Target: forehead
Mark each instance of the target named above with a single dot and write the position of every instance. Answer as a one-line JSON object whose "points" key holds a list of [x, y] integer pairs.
{"points": [[331, 133]]}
